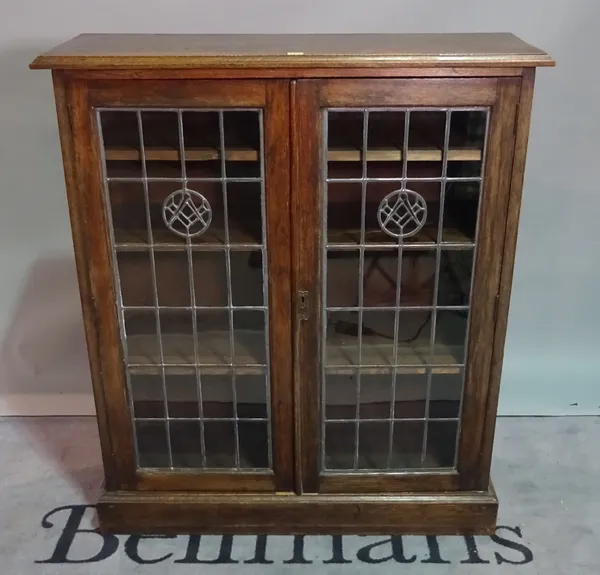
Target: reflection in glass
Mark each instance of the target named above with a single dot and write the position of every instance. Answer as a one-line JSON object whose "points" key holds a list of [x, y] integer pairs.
{"points": [[192, 306], [396, 310]]}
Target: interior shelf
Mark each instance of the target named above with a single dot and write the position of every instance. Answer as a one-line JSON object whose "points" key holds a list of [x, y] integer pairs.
{"points": [[392, 154], [162, 154], [135, 239], [427, 235], [213, 352], [377, 357], [178, 353], [244, 154]]}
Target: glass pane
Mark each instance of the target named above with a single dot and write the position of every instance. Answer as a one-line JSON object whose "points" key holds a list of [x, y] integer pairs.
{"points": [[217, 395], [467, 138], [380, 278], [247, 278], [396, 304], [450, 337], [172, 279], [446, 392], [375, 396], [345, 144], [441, 444], [214, 339], [220, 443], [186, 443], [161, 144], [135, 277], [176, 336], [120, 134], [407, 444], [460, 212], [152, 444], [340, 396], [414, 337], [342, 278], [202, 144], [182, 396], [385, 145], [186, 198], [244, 213], [456, 267], [210, 278], [127, 206], [254, 444], [142, 341], [411, 394], [340, 439], [249, 337], [147, 396], [344, 201], [373, 441], [242, 144], [251, 394], [425, 144], [342, 342]]}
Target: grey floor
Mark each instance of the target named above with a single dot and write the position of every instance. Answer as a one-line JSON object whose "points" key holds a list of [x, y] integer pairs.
{"points": [[546, 472]]}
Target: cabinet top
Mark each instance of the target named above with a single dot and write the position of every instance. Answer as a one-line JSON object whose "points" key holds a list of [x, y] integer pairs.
{"points": [[185, 51]]}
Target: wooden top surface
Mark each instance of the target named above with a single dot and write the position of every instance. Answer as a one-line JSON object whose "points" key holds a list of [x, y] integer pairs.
{"points": [[179, 51]]}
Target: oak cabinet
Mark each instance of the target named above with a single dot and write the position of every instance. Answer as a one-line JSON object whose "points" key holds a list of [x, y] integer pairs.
{"points": [[295, 256]]}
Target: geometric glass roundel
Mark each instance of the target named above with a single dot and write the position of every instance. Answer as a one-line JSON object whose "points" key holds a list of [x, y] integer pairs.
{"points": [[187, 213], [402, 213]]}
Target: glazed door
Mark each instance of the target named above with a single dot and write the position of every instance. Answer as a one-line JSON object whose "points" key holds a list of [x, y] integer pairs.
{"points": [[403, 186], [186, 205]]}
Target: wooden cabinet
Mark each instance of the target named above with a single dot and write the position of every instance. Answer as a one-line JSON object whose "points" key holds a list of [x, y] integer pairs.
{"points": [[295, 256]]}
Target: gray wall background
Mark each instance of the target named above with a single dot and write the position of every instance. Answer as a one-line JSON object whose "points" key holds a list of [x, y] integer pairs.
{"points": [[550, 362]]}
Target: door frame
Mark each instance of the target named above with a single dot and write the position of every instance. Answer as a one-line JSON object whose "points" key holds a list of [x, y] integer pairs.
{"points": [[309, 97], [76, 103]]}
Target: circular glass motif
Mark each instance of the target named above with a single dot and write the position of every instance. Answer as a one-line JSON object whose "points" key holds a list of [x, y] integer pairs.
{"points": [[402, 213], [187, 213]]}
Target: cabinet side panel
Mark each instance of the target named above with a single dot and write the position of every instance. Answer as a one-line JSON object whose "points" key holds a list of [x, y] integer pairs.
{"points": [[306, 231], [277, 180], [510, 242], [61, 96], [479, 389], [101, 315]]}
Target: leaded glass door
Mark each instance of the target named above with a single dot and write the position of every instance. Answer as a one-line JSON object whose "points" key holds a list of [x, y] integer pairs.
{"points": [[194, 180], [407, 276]]}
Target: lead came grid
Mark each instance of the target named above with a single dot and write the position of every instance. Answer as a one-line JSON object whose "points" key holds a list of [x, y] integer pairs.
{"points": [[396, 430], [238, 351]]}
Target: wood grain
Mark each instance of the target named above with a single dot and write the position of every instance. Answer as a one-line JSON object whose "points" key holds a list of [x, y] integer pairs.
{"points": [[510, 243], [427, 513], [180, 51], [278, 215], [79, 235], [306, 242], [89, 201], [288, 73], [154, 154], [407, 92], [183, 93], [390, 482], [486, 280], [201, 481], [390, 154]]}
